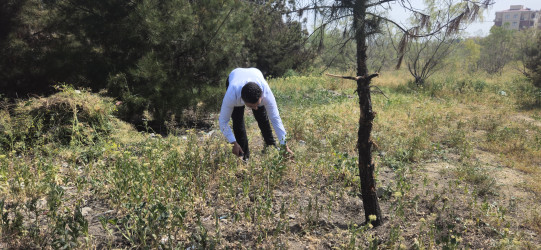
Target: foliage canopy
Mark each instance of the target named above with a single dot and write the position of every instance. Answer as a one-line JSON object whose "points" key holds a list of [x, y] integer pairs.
{"points": [[158, 56], [533, 62]]}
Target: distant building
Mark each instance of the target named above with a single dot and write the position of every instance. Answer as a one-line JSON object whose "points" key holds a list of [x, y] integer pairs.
{"points": [[518, 18]]}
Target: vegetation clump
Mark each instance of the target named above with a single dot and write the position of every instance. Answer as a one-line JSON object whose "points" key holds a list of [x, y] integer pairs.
{"points": [[69, 117]]}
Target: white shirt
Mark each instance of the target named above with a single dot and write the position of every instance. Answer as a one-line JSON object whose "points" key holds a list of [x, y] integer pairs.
{"points": [[237, 79]]}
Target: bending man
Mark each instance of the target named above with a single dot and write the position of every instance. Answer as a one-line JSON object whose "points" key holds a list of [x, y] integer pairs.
{"points": [[247, 87]]}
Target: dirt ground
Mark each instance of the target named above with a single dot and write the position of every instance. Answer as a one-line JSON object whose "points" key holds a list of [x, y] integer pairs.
{"points": [[319, 218]]}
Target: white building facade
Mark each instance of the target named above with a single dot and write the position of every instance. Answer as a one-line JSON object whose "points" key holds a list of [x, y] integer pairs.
{"points": [[518, 18]]}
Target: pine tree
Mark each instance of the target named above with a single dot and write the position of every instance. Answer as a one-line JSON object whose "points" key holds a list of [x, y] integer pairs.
{"points": [[277, 43], [533, 62]]}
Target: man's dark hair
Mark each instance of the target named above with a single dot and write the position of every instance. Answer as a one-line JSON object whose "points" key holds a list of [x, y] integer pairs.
{"points": [[251, 92]]}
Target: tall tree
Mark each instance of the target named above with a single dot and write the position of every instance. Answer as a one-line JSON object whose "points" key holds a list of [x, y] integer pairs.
{"points": [[471, 55], [532, 62], [23, 46], [335, 54], [341, 55], [277, 42], [366, 17], [525, 42], [497, 50], [9, 11], [161, 56]]}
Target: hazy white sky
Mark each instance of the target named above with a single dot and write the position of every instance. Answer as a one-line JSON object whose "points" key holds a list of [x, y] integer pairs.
{"points": [[480, 28], [500, 5]]}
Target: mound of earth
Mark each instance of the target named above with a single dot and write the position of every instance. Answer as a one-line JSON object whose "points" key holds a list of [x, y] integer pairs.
{"points": [[67, 117]]}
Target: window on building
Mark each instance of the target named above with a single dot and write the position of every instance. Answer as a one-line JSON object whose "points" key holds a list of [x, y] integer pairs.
{"points": [[507, 16], [515, 16], [514, 24]]}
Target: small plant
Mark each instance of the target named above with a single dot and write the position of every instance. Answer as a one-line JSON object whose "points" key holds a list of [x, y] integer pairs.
{"points": [[458, 140], [11, 220], [144, 225], [68, 229], [474, 174], [479, 85]]}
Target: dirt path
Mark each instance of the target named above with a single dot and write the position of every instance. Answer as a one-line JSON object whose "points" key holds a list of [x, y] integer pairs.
{"points": [[528, 119]]}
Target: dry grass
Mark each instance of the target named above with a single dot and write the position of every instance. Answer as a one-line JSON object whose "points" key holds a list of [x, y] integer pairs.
{"points": [[456, 168]]}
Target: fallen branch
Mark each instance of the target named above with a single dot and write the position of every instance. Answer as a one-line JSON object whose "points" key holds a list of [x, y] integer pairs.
{"points": [[345, 77], [369, 77], [355, 78]]}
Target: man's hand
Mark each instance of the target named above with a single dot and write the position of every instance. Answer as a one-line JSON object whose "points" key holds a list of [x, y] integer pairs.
{"points": [[237, 150], [287, 153]]}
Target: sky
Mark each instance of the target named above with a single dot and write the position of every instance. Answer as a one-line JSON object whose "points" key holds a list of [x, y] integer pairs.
{"points": [[490, 14], [479, 28]]}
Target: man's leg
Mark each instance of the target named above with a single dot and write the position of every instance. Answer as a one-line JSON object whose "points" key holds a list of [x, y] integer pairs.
{"points": [[240, 131], [264, 124], [238, 127]]}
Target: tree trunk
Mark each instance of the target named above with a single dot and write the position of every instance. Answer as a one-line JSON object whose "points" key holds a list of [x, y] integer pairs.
{"points": [[364, 143]]}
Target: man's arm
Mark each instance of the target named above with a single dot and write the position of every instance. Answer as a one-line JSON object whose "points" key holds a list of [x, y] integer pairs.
{"points": [[225, 116], [274, 117]]}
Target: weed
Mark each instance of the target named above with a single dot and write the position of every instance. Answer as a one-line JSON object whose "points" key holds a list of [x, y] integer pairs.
{"points": [[474, 174], [458, 139], [535, 221], [68, 229]]}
